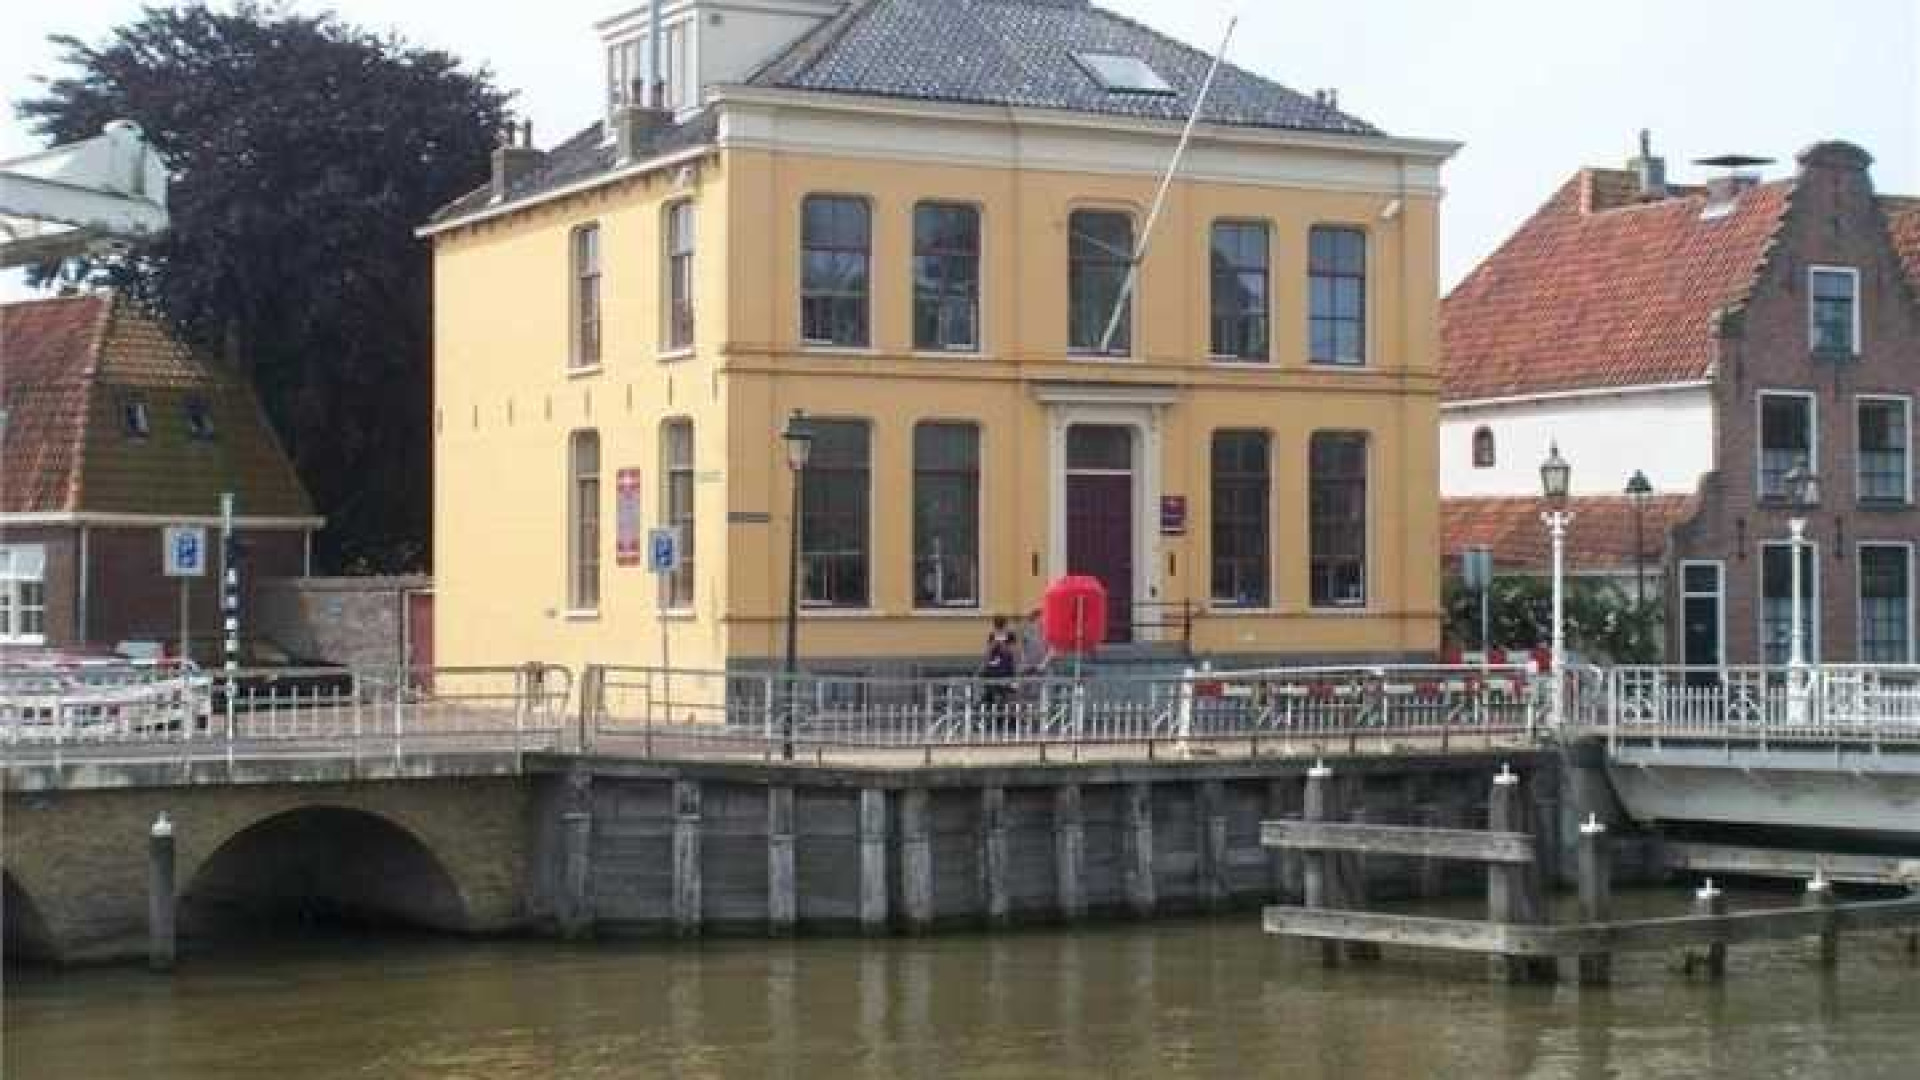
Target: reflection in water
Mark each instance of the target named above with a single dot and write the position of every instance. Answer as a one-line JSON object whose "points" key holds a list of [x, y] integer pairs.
{"points": [[1171, 1000]]}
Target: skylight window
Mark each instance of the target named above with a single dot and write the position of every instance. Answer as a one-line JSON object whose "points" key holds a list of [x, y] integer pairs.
{"points": [[1118, 74]]}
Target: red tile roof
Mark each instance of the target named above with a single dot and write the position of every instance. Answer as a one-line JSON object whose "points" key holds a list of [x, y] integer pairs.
{"points": [[1600, 290], [1600, 540], [1903, 221], [47, 351]]}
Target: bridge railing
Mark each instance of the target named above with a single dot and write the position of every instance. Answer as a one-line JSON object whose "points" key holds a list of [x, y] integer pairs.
{"points": [[664, 712], [1824, 703], [51, 712]]}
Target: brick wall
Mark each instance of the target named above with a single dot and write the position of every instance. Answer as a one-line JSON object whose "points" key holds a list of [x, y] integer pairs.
{"points": [[353, 621], [133, 600]]}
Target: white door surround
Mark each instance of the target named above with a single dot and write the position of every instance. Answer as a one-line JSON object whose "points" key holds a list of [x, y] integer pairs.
{"points": [[1143, 420]]}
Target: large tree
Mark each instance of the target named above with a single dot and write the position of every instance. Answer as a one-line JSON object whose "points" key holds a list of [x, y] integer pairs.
{"points": [[304, 153]]}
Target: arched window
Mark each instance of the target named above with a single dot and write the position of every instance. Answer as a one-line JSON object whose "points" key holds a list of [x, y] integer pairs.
{"points": [[1483, 448]]}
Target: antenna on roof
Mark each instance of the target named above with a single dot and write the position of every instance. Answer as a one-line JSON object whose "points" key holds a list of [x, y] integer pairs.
{"points": [[1127, 286]]}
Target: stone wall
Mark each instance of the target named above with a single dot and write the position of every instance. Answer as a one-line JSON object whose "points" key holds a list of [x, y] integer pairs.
{"points": [[357, 621]]}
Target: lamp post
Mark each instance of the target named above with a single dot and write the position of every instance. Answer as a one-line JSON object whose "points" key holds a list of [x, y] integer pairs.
{"points": [[1639, 489], [799, 444], [1803, 492], [1555, 478]]}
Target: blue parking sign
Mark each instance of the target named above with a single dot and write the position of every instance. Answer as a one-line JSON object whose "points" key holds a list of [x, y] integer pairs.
{"points": [[184, 550], [663, 550]]}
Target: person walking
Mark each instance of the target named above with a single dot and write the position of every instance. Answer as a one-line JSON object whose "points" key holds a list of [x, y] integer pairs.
{"points": [[998, 672]]}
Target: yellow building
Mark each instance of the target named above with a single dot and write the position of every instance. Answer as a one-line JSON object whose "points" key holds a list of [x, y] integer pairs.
{"points": [[913, 221]]}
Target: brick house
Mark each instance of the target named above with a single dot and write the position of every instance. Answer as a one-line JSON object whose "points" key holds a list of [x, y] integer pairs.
{"points": [[1712, 337], [113, 430]]}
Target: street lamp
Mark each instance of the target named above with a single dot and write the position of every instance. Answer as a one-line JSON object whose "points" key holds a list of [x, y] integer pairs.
{"points": [[1639, 489], [799, 444], [1803, 493], [1555, 478]]}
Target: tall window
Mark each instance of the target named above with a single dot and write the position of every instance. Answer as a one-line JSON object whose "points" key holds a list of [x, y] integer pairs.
{"points": [[1776, 601], [1240, 291], [586, 296], [583, 522], [1099, 253], [946, 516], [1241, 493], [834, 516], [946, 277], [1884, 449], [1834, 309], [676, 508], [679, 238], [1337, 506], [1337, 295], [1886, 603], [1786, 439], [836, 244], [23, 594], [1483, 448]]}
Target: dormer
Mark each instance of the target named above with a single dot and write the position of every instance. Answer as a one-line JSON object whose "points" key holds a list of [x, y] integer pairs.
{"points": [[698, 43]]}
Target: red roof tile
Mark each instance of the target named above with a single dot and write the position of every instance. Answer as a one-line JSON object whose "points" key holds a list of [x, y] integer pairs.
{"points": [[1597, 290], [1600, 540], [47, 351], [1903, 221]]}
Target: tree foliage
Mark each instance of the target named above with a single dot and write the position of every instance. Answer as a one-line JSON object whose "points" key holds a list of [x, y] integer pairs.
{"points": [[1602, 622], [304, 153]]}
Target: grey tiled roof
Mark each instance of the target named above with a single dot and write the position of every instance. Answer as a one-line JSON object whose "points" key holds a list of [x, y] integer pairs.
{"points": [[1020, 52], [581, 157]]}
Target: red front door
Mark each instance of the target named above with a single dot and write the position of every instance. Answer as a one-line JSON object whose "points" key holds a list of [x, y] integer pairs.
{"points": [[1100, 541]]}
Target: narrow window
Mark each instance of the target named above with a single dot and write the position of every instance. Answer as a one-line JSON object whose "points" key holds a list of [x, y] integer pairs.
{"points": [[1776, 601], [1337, 472], [1337, 295], [586, 296], [1240, 288], [1483, 449], [199, 419], [679, 237], [1886, 604], [1884, 449], [946, 277], [583, 514], [834, 516], [1242, 491], [1099, 253], [676, 509], [836, 240], [23, 594], [1786, 440], [946, 516], [133, 415], [1834, 315]]}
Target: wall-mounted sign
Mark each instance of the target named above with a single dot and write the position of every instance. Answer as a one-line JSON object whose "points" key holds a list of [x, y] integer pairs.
{"points": [[1173, 515], [626, 519], [663, 550]]}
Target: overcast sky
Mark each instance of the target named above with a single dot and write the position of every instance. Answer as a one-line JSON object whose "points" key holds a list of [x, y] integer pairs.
{"points": [[1534, 88]]}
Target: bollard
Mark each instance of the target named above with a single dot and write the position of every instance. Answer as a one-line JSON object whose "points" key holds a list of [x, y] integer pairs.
{"points": [[1710, 902], [1596, 896], [1320, 885], [160, 895], [1820, 895], [1513, 892]]}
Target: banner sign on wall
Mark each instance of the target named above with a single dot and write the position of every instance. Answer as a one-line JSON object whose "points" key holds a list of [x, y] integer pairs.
{"points": [[628, 543]]}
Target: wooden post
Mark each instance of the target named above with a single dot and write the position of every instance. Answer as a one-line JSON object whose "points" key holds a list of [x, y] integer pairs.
{"points": [[1512, 893], [916, 859], [1212, 815], [873, 861], [782, 892], [686, 858], [1596, 896], [1820, 895], [1138, 869], [1318, 879], [161, 899], [1283, 867], [1069, 852], [993, 855], [1710, 902], [1351, 872]]}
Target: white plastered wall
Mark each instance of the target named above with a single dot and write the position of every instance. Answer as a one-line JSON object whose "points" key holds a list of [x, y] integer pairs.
{"points": [[1667, 432]]}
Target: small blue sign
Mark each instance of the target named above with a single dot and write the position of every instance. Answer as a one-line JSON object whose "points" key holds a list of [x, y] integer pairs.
{"points": [[185, 551], [663, 550]]}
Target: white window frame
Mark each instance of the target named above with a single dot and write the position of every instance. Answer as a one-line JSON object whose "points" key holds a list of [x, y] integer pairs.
{"points": [[1852, 272], [979, 518], [1859, 596], [1906, 407], [670, 348], [10, 596], [1718, 596], [1760, 431], [1814, 601]]}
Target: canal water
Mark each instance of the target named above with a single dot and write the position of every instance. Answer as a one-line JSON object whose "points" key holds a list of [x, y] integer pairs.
{"points": [[1168, 1000]]}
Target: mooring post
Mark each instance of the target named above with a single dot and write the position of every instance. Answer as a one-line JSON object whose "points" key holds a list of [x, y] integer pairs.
{"points": [[782, 891], [1283, 866], [160, 895], [1069, 852], [1711, 903], [1596, 896], [1318, 880], [1512, 892], [574, 911], [916, 859], [1820, 895], [686, 858], [1351, 875]]}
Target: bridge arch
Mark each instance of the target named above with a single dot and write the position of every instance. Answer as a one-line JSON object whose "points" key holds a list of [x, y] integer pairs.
{"points": [[325, 865], [24, 935]]}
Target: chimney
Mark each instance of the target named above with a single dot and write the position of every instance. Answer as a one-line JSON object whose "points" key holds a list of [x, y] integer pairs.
{"points": [[514, 159], [1651, 171], [634, 128], [1724, 191]]}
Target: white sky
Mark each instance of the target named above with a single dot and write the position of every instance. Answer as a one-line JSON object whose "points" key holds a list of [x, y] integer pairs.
{"points": [[1534, 88]]}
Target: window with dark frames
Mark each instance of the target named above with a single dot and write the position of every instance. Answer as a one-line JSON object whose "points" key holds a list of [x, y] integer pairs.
{"points": [[835, 515], [1884, 449], [946, 277], [1242, 492], [1483, 449], [679, 237], [946, 515], [1337, 511], [583, 522], [199, 419], [1240, 290], [1776, 601], [1834, 316], [1337, 295], [1886, 604], [676, 509], [1786, 439], [836, 244], [1099, 254], [586, 296]]}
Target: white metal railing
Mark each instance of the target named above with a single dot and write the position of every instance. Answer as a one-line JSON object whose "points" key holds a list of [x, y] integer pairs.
{"points": [[1824, 703], [54, 712], [656, 711]]}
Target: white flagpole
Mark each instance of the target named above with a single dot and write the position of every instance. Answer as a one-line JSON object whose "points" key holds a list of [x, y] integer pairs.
{"points": [[1166, 183]]}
